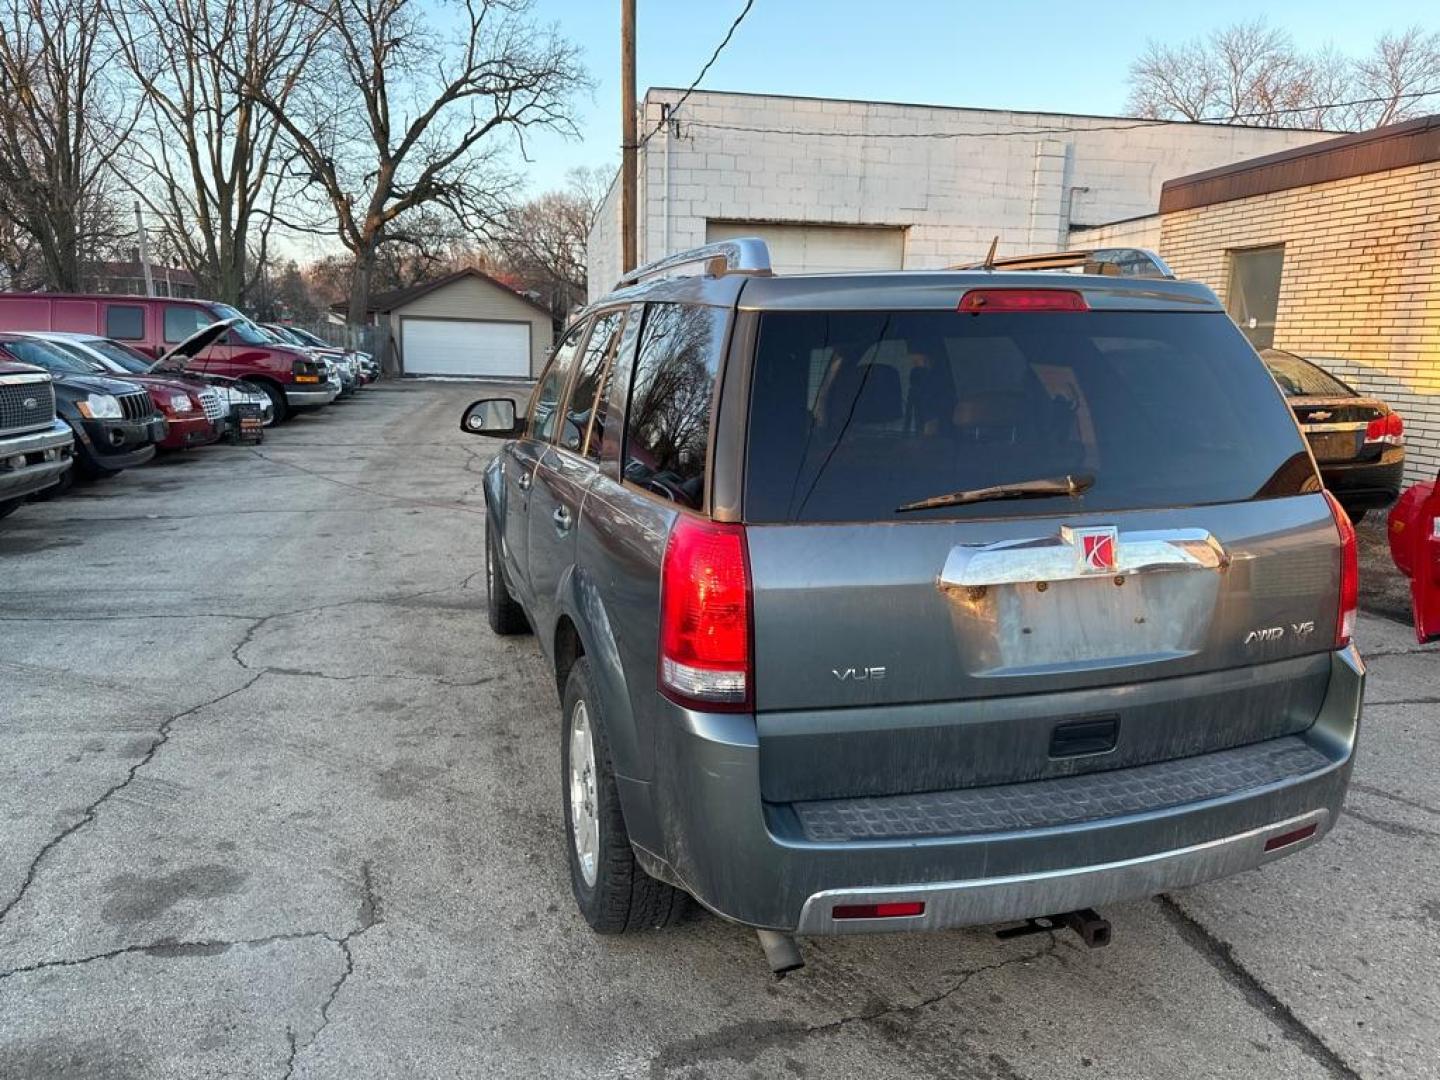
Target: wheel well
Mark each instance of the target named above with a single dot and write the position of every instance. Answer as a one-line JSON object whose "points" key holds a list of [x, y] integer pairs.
{"points": [[568, 649]]}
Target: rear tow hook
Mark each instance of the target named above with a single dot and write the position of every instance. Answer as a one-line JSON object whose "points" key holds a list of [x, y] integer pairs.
{"points": [[781, 952], [1093, 930]]}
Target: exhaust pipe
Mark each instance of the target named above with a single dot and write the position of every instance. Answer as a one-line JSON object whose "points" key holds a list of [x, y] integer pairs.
{"points": [[781, 952]]}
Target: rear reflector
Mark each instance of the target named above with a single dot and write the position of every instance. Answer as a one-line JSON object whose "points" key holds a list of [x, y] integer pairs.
{"points": [[978, 300], [906, 909], [1349, 574], [1294, 836]]}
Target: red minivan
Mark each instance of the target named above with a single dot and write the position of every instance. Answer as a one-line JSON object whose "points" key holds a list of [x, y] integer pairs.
{"points": [[290, 376]]}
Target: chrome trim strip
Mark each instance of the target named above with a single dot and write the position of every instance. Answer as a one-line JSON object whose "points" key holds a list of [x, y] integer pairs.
{"points": [[1348, 426], [21, 380], [1058, 558], [983, 901]]}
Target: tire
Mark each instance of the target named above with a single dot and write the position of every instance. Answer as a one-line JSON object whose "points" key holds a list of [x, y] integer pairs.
{"points": [[277, 398], [504, 612], [613, 893]]}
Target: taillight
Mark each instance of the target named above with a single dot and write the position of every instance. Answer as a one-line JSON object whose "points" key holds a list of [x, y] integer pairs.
{"points": [[1349, 574], [1386, 429], [978, 300], [705, 616]]}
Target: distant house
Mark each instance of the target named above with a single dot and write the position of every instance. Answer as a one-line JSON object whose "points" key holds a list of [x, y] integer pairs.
{"points": [[463, 324], [128, 278], [870, 185]]}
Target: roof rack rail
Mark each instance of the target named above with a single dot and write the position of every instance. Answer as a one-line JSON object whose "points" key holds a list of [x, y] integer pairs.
{"points": [[742, 255], [1113, 262]]}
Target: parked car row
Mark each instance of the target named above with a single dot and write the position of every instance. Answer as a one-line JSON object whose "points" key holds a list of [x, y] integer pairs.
{"points": [[75, 402]]}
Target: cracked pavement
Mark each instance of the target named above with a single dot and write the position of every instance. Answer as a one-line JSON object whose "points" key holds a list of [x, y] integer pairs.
{"points": [[275, 803]]}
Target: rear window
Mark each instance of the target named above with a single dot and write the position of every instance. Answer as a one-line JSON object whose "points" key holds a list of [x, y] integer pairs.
{"points": [[855, 414], [1300, 378]]}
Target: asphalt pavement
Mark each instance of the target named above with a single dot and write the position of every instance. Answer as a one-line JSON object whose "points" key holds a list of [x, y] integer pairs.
{"points": [[274, 802]]}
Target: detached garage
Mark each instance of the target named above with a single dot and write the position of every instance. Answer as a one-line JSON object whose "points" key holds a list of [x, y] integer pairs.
{"points": [[465, 324]]}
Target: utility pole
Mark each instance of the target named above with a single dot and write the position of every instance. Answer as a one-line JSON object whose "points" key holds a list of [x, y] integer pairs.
{"points": [[628, 148], [144, 251]]}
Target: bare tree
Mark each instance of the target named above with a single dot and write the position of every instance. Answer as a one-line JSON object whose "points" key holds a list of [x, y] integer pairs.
{"points": [[205, 161], [61, 124], [543, 240], [1400, 67], [409, 109], [1250, 73]]}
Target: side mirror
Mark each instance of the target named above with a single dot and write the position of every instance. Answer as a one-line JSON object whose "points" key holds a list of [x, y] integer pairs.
{"points": [[491, 416]]}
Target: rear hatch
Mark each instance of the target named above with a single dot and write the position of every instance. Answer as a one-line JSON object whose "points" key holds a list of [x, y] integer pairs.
{"points": [[1173, 592]]}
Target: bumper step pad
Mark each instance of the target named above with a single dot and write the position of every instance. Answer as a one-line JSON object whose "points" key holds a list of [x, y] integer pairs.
{"points": [[1068, 800]]}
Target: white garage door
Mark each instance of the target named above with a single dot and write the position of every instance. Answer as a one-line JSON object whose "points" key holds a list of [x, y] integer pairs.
{"points": [[798, 249], [465, 347]]}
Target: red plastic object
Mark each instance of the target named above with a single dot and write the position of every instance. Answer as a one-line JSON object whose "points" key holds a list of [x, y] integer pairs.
{"points": [[978, 300], [1415, 547]]}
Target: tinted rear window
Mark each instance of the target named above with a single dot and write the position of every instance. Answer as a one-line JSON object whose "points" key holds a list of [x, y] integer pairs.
{"points": [[1300, 378], [854, 414]]}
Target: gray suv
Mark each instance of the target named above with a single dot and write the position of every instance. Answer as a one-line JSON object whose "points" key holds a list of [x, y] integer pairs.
{"points": [[901, 601]]}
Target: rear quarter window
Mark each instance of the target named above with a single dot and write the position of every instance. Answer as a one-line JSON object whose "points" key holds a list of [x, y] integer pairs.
{"points": [[181, 321], [667, 430], [855, 414]]}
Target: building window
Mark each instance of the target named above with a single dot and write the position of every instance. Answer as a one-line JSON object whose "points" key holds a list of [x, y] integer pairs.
{"points": [[1254, 294], [125, 323]]}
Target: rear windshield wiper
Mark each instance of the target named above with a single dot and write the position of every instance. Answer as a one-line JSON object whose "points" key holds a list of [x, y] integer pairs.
{"points": [[1025, 489]]}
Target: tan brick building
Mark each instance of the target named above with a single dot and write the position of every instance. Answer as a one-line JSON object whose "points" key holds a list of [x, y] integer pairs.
{"points": [[1331, 251]]}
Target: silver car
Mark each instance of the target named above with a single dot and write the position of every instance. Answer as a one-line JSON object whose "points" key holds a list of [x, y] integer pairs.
{"points": [[902, 601]]}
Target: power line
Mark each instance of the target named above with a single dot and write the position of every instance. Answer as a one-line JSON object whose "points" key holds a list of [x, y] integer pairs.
{"points": [[703, 71], [1127, 126]]}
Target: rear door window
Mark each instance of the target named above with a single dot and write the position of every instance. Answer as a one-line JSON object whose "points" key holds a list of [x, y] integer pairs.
{"points": [[856, 414], [587, 380], [125, 322], [668, 422]]}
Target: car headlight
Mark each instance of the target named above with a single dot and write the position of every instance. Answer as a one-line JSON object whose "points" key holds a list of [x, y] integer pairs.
{"points": [[181, 403], [100, 407]]}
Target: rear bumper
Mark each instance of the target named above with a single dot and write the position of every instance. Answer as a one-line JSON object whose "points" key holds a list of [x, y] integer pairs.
{"points": [[757, 865], [34, 462], [1367, 484]]}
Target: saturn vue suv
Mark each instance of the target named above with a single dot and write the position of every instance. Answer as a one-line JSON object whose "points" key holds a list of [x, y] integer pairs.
{"points": [[902, 601]]}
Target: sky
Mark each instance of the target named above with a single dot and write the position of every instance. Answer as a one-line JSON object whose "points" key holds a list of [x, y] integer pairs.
{"points": [[1058, 57]]}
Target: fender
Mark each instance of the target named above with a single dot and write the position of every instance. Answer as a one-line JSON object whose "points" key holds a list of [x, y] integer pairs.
{"points": [[493, 483]]}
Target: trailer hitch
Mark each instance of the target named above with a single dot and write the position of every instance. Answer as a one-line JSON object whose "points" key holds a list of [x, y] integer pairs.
{"points": [[1093, 930]]}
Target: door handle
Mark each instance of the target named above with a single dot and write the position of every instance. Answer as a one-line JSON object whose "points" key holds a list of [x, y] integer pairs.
{"points": [[562, 519], [523, 481]]}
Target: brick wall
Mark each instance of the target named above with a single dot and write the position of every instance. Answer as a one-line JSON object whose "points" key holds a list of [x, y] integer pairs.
{"points": [[1360, 286], [1023, 176]]}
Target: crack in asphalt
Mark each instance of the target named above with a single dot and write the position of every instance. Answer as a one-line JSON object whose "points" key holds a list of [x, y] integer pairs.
{"points": [[368, 490], [162, 736], [166, 948], [434, 680], [1220, 954], [745, 1041], [371, 915]]}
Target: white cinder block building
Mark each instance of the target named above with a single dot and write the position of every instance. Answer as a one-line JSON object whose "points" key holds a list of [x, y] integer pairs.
{"points": [[846, 185]]}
